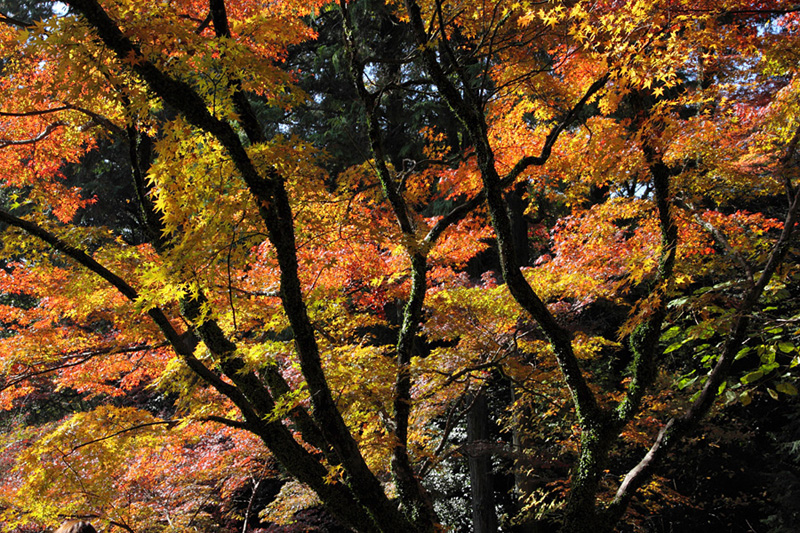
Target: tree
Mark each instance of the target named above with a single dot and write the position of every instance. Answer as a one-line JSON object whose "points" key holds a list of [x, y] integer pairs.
{"points": [[334, 310]]}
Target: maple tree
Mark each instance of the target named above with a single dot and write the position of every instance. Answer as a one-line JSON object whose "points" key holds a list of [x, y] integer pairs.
{"points": [[306, 238]]}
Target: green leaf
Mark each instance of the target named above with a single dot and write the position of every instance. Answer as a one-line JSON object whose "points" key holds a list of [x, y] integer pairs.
{"points": [[752, 376], [670, 333], [677, 302], [741, 353], [769, 367], [786, 388], [686, 382], [672, 347], [745, 398], [786, 347]]}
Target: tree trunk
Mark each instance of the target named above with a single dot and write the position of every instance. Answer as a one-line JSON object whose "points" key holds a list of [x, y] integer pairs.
{"points": [[484, 519], [519, 226]]}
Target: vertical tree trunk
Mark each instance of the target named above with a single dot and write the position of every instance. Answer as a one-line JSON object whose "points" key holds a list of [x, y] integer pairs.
{"points": [[484, 519], [581, 512], [519, 226]]}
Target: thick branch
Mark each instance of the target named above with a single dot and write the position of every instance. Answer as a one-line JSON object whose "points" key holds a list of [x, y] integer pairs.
{"points": [[276, 212], [221, 347], [471, 116], [178, 342], [464, 209], [552, 137], [408, 485], [680, 425], [247, 116], [75, 254], [177, 94], [11, 21], [456, 214], [644, 339], [291, 454]]}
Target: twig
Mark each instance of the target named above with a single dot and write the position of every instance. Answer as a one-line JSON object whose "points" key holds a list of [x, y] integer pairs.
{"points": [[47, 131], [83, 357]]}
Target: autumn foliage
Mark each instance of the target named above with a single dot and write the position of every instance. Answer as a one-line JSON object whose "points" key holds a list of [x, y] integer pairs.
{"points": [[300, 243]]}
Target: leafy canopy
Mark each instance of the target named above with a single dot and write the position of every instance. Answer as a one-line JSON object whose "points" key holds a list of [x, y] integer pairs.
{"points": [[299, 239]]}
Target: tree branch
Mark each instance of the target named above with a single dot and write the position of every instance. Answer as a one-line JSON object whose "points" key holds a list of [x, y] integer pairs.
{"points": [[680, 425], [552, 137], [471, 116], [75, 254], [34, 113], [11, 21], [81, 358], [408, 485], [644, 339], [276, 212], [178, 342], [43, 135], [120, 432], [720, 239]]}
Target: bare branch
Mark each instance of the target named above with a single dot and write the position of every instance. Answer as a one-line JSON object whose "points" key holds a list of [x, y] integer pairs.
{"points": [[33, 113], [678, 426], [11, 21], [71, 360], [43, 135], [552, 137], [720, 239]]}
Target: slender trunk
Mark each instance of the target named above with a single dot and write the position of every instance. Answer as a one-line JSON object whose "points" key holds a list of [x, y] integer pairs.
{"points": [[484, 519], [519, 226]]}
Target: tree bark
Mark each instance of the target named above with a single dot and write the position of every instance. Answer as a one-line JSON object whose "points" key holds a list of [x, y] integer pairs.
{"points": [[484, 519]]}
